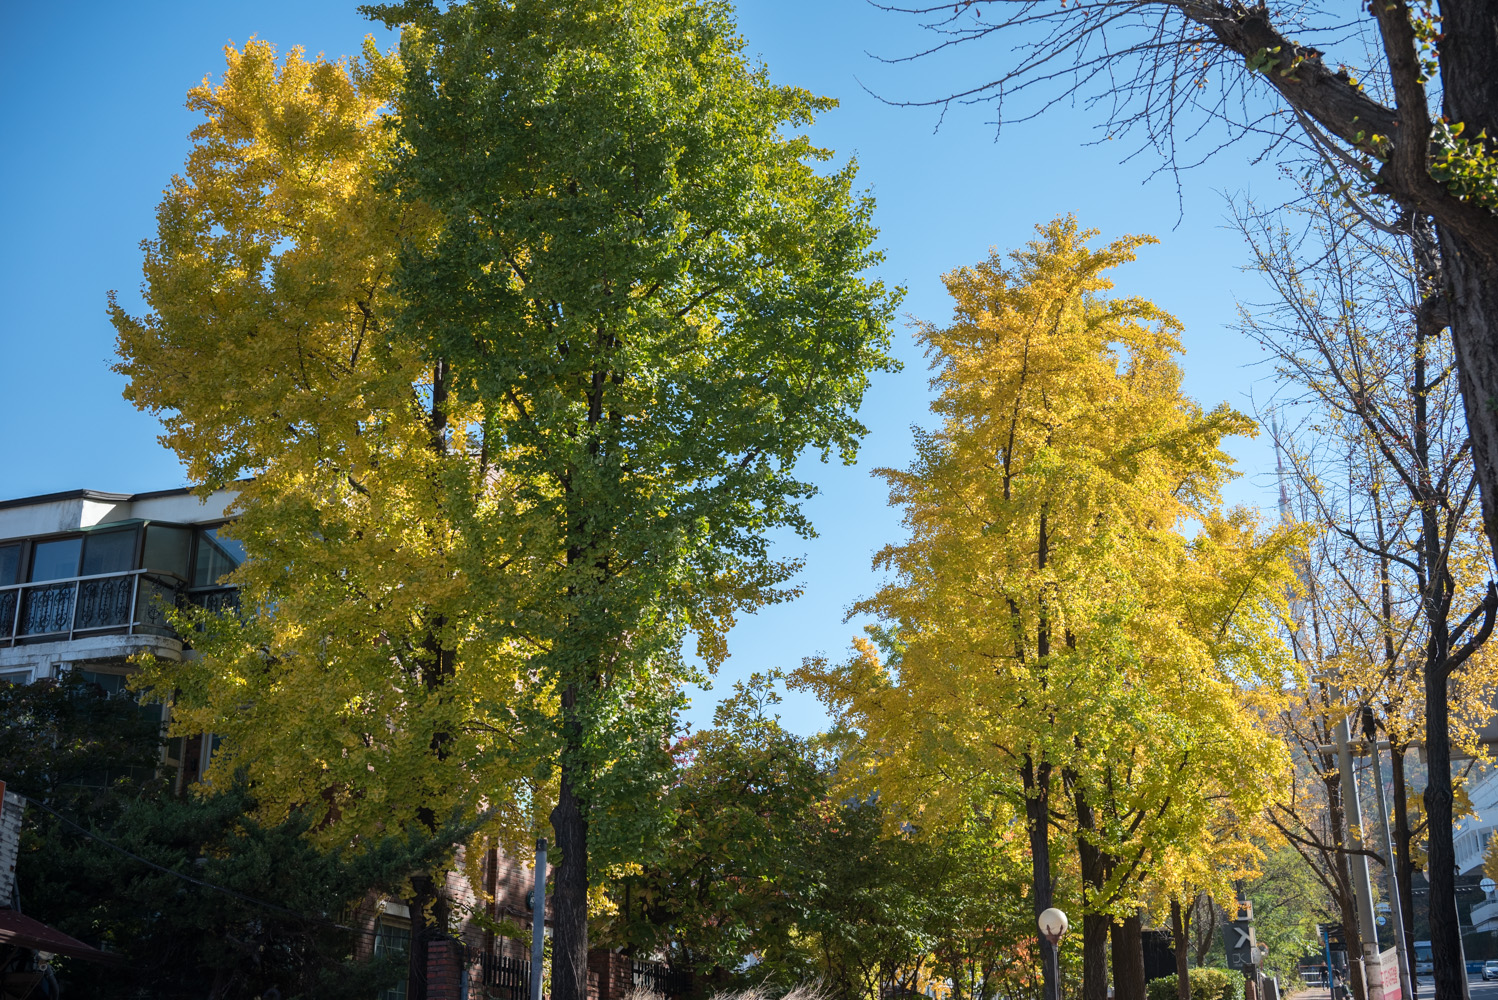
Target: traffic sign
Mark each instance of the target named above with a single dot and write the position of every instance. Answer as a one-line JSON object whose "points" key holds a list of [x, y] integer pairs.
{"points": [[1238, 941]]}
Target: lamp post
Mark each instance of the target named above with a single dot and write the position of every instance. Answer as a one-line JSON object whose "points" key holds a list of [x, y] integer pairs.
{"points": [[1053, 926]]}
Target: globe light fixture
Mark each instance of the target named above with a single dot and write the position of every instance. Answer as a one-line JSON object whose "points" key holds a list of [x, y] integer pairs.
{"points": [[1053, 925]]}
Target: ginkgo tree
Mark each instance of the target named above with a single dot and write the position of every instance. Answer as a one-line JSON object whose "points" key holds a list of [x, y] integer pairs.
{"points": [[1073, 622], [354, 685], [653, 300]]}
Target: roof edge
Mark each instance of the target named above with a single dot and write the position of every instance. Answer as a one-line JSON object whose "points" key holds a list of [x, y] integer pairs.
{"points": [[97, 495]]}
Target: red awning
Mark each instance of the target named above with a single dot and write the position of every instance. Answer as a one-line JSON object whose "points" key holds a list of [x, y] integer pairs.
{"points": [[21, 931]]}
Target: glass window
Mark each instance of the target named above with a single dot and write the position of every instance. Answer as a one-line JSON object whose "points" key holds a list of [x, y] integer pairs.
{"points": [[10, 564], [108, 552], [392, 938], [166, 549], [55, 560], [216, 556], [109, 683]]}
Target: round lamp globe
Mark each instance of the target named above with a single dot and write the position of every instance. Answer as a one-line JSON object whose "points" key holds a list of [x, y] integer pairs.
{"points": [[1052, 925]]}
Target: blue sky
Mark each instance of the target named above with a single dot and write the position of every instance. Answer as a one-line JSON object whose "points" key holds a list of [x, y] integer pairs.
{"points": [[95, 127]]}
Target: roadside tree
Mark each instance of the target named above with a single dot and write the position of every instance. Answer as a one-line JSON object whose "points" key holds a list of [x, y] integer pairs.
{"points": [[1056, 650], [649, 301]]}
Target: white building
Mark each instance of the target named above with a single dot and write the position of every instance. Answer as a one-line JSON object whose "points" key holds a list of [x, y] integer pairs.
{"points": [[1472, 835], [85, 578]]}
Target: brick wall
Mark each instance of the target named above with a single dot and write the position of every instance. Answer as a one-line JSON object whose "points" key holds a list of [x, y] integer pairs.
{"points": [[444, 970]]}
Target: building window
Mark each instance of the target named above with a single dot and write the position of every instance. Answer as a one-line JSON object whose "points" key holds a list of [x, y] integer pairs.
{"points": [[108, 552], [10, 564], [167, 548], [392, 937], [55, 560], [216, 558]]}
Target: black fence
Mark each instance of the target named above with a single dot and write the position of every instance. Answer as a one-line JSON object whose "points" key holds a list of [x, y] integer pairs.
{"points": [[504, 978], [662, 979], [510, 978]]}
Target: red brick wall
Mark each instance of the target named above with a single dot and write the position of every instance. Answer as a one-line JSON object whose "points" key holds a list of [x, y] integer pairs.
{"points": [[610, 976], [444, 970]]}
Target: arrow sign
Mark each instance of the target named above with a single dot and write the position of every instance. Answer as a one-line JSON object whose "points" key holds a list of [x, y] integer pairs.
{"points": [[1238, 941]]}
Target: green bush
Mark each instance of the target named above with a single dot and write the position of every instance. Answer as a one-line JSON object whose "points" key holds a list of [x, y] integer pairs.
{"points": [[1206, 984], [1163, 988]]}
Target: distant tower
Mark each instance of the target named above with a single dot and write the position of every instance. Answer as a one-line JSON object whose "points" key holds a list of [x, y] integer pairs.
{"points": [[1297, 604]]}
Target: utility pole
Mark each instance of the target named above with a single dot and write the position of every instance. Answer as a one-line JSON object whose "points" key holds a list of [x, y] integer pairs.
{"points": [[1401, 949], [1352, 826], [538, 922]]}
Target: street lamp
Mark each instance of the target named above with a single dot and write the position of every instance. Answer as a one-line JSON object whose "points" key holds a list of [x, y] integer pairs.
{"points": [[1052, 926]]}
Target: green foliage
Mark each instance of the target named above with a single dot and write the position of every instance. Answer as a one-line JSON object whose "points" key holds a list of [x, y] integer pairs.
{"points": [[1467, 167], [1164, 988], [1289, 901], [1206, 984], [1216, 984], [70, 738], [650, 301], [91, 758], [763, 863], [180, 938]]}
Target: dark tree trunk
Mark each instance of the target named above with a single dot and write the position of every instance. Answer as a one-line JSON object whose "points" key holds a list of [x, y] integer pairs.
{"points": [[1471, 288], [1183, 966], [1404, 869], [569, 824], [1445, 929], [1204, 940], [1128, 959], [1468, 52], [569, 943], [1094, 923], [1037, 781], [423, 894]]}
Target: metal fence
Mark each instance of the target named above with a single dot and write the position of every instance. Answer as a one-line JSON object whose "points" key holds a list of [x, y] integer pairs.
{"points": [[504, 978]]}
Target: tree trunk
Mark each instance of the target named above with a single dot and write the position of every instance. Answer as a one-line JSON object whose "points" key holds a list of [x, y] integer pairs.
{"points": [[1183, 966], [423, 894], [1204, 940], [1445, 928], [1468, 52], [1094, 923], [1037, 780], [1404, 869], [569, 943], [1342, 876], [1471, 287], [1128, 959]]}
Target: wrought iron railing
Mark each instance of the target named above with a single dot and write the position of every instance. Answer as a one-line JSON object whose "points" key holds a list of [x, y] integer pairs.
{"points": [[129, 603]]}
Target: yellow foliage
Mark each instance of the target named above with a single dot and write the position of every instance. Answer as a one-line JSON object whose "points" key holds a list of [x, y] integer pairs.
{"points": [[1072, 592], [357, 684]]}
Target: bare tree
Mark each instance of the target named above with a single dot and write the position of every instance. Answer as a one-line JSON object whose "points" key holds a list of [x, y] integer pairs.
{"points": [[1398, 601]]}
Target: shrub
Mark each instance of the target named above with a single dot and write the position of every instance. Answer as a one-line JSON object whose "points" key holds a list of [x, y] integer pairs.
{"points": [[1206, 984]]}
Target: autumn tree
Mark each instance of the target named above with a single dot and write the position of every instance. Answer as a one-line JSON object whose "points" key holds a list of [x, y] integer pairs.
{"points": [[769, 876], [649, 295], [1400, 104], [1055, 648], [353, 684]]}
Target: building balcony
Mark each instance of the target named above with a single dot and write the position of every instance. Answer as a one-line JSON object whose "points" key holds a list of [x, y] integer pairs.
{"points": [[133, 602], [1485, 915]]}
